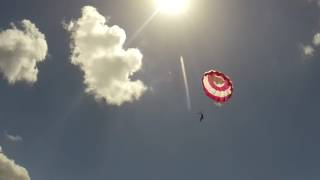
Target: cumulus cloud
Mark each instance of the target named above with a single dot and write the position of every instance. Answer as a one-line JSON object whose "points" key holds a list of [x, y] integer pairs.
{"points": [[9, 170], [316, 39], [308, 50], [98, 50], [20, 51]]}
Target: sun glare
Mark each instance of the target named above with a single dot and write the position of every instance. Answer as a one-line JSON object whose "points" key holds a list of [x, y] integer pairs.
{"points": [[172, 6]]}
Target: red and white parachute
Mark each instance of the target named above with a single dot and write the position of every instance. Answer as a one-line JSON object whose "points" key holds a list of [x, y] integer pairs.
{"points": [[217, 86]]}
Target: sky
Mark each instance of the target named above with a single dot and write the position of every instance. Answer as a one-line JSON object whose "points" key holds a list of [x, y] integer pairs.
{"points": [[84, 96]]}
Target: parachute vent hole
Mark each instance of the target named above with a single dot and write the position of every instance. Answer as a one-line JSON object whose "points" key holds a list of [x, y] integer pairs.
{"points": [[218, 80]]}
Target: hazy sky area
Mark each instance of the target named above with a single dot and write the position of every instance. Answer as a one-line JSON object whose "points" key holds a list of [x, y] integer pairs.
{"points": [[98, 108]]}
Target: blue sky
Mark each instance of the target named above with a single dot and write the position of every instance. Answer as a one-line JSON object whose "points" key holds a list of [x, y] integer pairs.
{"points": [[268, 130]]}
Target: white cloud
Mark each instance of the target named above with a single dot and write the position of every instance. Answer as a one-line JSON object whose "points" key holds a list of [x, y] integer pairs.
{"points": [[314, 1], [316, 39], [13, 138], [9, 170], [20, 51], [308, 50], [98, 50]]}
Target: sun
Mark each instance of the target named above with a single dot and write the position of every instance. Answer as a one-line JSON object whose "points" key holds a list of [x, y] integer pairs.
{"points": [[173, 7]]}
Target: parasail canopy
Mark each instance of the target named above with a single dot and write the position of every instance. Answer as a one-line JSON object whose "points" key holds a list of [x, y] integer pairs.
{"points": [[217, 86]]}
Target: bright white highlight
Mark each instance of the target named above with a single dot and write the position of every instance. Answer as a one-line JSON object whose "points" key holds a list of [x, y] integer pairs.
{"points": [[184, 74], [172, 6]]}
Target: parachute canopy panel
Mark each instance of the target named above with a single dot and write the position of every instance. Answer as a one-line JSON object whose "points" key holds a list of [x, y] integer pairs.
{"points": [[217, 86]]}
